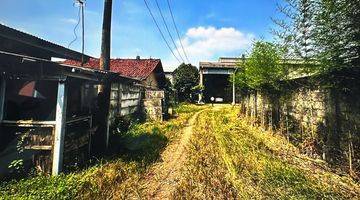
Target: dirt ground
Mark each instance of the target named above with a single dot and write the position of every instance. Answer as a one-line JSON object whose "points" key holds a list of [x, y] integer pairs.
{"points": [[162, 178]]}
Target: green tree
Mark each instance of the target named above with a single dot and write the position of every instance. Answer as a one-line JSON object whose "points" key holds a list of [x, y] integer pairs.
{"points": [[294, 29], [263, 68], [327, 31], [169, 92], [338, 33], [186, 77]]}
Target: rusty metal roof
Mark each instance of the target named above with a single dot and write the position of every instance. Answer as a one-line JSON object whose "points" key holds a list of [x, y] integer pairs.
{"points": [[217, 65], [14, 62], [51, 49]]}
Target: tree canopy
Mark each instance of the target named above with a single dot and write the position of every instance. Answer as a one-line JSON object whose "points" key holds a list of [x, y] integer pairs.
{"points": [[327, 31], [262, 68], [318, 37], [186, 77]]}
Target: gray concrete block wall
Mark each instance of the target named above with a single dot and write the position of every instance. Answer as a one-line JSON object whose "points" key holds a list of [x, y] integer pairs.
{"points": [[153, 104], [320, 121]]}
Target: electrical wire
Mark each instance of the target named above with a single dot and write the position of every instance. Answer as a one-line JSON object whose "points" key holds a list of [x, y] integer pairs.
{"points": [[177, 31], [75, 28], [162, 35], [167, 29]]}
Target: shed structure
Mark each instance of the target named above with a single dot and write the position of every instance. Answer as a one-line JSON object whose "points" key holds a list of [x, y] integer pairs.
{"points": [[215, 77], [152, 79], [48, 110]]}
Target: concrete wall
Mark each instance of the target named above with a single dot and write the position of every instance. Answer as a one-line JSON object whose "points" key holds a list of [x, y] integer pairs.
{"points": [[154, 104], [323, 122], [128, 99], [124, 100]]}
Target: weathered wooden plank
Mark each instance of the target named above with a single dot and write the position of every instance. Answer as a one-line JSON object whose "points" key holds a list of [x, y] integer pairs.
{"points": [[77, 143], [79, 119], [29, 123], [59, 128], [42, 148], [2, 97]]}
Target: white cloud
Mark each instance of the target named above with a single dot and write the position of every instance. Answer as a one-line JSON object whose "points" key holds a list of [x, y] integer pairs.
{"points": [[69, 20], [210, 15], [208, 43]]}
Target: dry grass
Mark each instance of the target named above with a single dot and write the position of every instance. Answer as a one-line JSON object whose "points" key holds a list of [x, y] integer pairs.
{"points": [[230, 160], [112, 179], [225, 159]]}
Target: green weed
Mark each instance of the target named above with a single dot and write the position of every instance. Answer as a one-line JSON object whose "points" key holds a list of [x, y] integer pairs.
{"points": [[135, 147], [230, 159]]}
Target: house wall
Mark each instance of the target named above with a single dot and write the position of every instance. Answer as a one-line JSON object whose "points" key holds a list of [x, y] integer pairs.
{"points": [[323, 122], [151, 81]]}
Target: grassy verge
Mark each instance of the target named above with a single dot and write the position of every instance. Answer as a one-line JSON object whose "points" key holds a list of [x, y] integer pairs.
{"points": [[228, 159], [137, 149]]}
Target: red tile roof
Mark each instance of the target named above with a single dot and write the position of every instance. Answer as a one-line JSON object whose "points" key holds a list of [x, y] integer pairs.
{"points": [[134, 68]]}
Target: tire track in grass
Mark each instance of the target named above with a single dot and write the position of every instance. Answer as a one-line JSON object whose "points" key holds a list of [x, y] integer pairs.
{"points": [[162, 178]]}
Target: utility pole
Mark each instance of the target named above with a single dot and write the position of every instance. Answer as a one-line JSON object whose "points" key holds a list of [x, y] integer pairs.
{"points": [[83, 31], [106, 34], [105, 89]]}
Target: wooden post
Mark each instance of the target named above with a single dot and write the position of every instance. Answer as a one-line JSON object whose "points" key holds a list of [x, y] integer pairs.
{"points": [[201, 84], [59, 128], [233, 89], [105, 65], [2, 97], [106, 36]]}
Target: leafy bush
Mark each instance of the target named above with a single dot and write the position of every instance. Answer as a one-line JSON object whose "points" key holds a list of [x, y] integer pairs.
{"points": [[185, 78], [262, 68]]}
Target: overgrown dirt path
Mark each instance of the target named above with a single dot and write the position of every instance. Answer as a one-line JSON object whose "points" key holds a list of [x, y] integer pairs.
{"points": [[162, 178]]}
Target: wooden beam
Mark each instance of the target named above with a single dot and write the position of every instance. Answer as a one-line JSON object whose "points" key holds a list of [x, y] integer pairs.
{"points": [[28, 123], [201, 84], [59, 128], [233, 90], [2, 97]]}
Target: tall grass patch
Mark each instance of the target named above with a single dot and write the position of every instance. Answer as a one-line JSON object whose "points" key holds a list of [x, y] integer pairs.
{"points": [[135, 147], [252, 164]]}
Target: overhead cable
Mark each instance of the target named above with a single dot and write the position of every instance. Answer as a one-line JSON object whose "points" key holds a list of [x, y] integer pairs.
{"points": [[177, 30], [162, 35], [167, 29]]}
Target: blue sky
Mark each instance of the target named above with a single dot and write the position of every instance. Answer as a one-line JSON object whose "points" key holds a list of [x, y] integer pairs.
{"points": [[208, 28]]}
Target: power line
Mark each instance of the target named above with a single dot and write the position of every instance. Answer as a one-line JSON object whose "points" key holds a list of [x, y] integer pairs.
{"points": [[167, 28], [162, 35], [75, 28], [177, 31]]}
